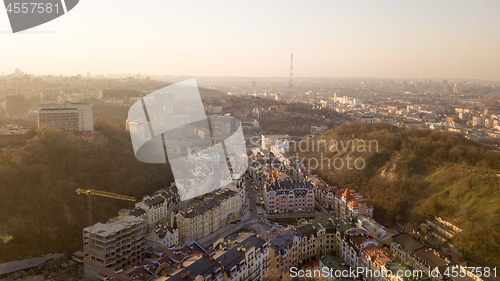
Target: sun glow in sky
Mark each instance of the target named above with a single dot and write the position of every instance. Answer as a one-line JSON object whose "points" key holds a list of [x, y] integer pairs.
{"points": [[434, 39]]}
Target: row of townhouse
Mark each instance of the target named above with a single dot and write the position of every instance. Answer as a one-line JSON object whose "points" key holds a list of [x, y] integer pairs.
{"points": [[157, 208], [414, 250], [324, 193], [202, 217], [279, 176], [354, 242], [308, 241], [360, 243], [361, 251], [244, 256], [343, 203], [410, 253]]}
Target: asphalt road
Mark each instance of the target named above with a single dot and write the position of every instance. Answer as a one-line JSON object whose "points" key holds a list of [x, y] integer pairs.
{"points": [[253, 198]]}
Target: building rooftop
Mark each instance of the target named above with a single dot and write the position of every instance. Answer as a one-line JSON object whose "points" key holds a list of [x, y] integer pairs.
{"points": [[406, 240], [113, 225], [13, 129], [429, 256], [283, 239]]}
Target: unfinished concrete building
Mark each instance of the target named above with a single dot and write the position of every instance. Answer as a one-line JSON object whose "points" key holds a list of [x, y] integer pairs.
{"points": [[116, 244]]}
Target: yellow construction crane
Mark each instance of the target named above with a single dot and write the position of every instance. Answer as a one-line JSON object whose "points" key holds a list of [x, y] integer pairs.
{"points": [[91, 192], [6, 238]]}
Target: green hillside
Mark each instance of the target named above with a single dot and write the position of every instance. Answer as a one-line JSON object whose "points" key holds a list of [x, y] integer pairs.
{"points": [[418, 174], [38, 202]]}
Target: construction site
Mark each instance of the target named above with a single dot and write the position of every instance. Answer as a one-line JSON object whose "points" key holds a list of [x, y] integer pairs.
{"points": [[115, 244]]}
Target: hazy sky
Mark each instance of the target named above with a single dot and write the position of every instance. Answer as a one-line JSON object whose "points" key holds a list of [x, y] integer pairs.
{"points": [[421, 39]]}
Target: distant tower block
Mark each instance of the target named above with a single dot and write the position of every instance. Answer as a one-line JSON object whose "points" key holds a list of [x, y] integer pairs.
{"points": [[290, 80]]}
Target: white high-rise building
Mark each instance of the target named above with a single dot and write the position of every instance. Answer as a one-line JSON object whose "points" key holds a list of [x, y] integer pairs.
{"points": [[68, 116]]}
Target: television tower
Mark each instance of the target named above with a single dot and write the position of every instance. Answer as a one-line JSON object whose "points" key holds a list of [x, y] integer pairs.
{"points": [[290, 81]]}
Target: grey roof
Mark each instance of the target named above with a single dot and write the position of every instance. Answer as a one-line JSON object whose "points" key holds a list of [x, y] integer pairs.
{"points": [[284, 240], [13, 266], [232, 257], [157, 200], [428, 255], [407, 242], [204, 206], [222, 195], [286, 186], [205, 266]]}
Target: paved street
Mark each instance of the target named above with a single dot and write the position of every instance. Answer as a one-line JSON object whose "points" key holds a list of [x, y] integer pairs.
{"points": [[253, 198]]}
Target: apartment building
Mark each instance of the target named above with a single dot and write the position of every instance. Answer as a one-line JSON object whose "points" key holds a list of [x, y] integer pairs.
{"points": [[323, 193], [312, 240], [203, 217], [68, 116], [319, 237], [323, 237], [403, 245], [209, 210], [162, 235], [223, 125], [197, 220], [285, 250], [429, 259], [230, 205], [351, 203], [354, 242], [118, 243], [286, 195], [189, 222], [157, 208], [243, 257], [373, 259]]}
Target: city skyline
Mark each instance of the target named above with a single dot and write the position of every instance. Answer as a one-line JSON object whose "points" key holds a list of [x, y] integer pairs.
{"points": [[344, 40]]}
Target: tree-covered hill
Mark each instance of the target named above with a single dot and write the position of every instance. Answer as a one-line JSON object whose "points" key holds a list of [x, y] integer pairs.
{"points": [[418, 174], [38, 202]]}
